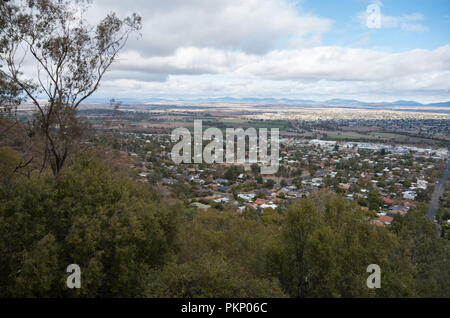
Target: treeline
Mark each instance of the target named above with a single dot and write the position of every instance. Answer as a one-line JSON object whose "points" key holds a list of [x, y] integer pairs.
{"points": [[129, 242]]}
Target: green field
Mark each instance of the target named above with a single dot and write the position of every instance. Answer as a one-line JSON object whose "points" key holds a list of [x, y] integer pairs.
{"points": [[383, 134]]}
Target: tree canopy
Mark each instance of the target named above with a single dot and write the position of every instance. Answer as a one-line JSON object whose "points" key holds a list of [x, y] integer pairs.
{"points": [[88, 216]]}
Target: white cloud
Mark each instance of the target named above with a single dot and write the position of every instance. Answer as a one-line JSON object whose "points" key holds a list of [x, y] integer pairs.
{"points": [[267, 48], [426, 88], [302, 73], [325, 62], [254, 26]]}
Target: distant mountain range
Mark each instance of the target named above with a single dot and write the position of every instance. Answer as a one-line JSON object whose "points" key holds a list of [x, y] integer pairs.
{"points": [[278, 101], [330, 102]]}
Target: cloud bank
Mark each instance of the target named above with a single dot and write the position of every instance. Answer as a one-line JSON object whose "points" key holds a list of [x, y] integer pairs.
{"points": [[257, 48]]}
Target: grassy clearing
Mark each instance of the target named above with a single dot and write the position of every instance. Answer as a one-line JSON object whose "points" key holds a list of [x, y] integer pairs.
{"points": [[383, 135]]}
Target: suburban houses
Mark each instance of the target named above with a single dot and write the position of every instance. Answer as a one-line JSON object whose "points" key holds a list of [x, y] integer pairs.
{"points": [[383, 179]]}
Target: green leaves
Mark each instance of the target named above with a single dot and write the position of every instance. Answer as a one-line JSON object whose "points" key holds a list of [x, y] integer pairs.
{"points": [[88, 216], [429, 253], [210, 276], [327, 245], [129, 245]]}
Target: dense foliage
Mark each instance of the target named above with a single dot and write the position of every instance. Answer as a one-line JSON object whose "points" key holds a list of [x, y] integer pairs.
{"points": [[88, 216], [130, 243]]}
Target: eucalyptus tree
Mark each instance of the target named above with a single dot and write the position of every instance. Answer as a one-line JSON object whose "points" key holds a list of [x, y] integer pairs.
{"points": [[53, 51], [9, 93]]}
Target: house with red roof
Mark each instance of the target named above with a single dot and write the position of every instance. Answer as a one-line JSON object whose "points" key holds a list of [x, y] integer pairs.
{"points": [[260, 201], [385, 219], [344, 186], [377, 223]]}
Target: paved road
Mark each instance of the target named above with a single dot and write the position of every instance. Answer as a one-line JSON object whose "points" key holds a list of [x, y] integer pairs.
{"points": [[438, 191]]}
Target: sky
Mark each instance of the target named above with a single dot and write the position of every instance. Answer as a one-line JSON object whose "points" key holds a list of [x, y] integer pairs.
{"points": [[351, 49]]}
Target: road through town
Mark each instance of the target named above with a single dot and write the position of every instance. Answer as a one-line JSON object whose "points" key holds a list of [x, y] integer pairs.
{"points": [[438, 191]]}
